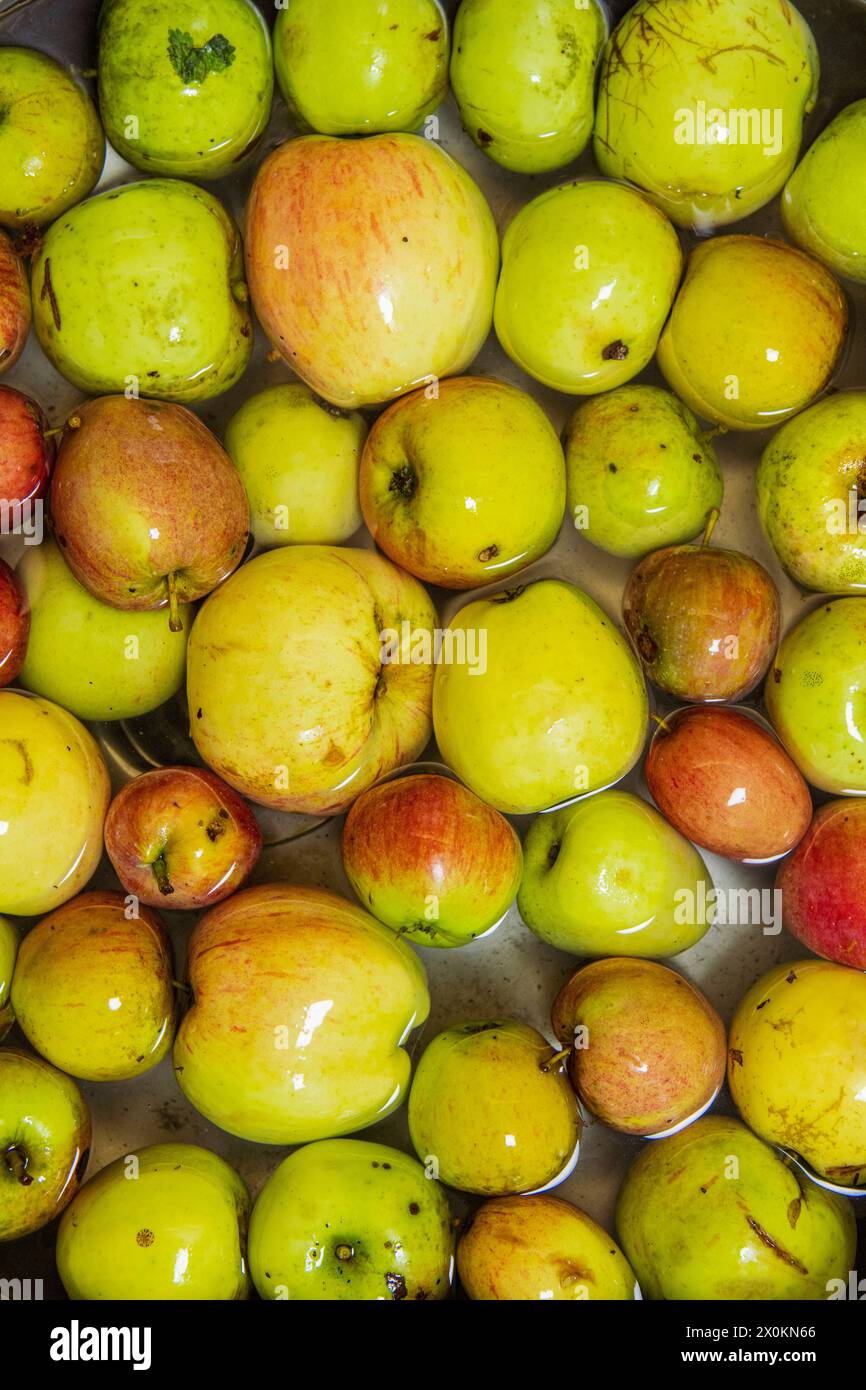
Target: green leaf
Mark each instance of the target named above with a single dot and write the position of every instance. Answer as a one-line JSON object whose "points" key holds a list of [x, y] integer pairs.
{"points": [[193, 64]]}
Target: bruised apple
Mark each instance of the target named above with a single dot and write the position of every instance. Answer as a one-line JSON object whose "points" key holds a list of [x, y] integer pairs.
{"points": [[147, 505], [648, 1050], [372, 263], [301, 1006], [431, 860], [179, 837], [727, 784], [14, 304], [290, 697], [823, 884]]}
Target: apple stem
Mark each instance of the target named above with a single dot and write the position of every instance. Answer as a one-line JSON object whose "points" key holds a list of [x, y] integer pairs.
{"points": [[661, 723], [16, 1162], [179, 984], [159, 868], [73, 423], [174, 622], [714, 433], [556, 1059], [710, 526]]}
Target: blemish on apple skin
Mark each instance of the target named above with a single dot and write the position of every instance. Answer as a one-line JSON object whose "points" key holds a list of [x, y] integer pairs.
{"points": [[144, 1238]]}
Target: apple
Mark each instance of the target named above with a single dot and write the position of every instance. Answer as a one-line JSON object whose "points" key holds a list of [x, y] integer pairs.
{"points": [[8, 952], [14, 624], [517, 1249], [755, 333], [140, 290], [372, 263], [354, 67], [344, 1219], [680, 94], [431, 860], [640, 472], [26, 448], [647, 1049], [445, 488], [821, 209], [197, 76], [301, 1006], [822, 884], [298, 459], [116, 664], [491, 1111], [291, 699], [813, 695], [524, 79], [54, 791], [181, 833], [608, 876], [165, 1222], [92, 989], [51, 143], [797, 1065], [44, 1143], [724, 782], [704, 621], [713, 1214], [589, 273], [147, 505], [811, 482], [537, 697], [15, 311]]}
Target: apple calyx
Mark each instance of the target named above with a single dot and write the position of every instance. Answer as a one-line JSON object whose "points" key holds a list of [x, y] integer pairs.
{"points": [[27, 241], [16, 1162], [159, 869], [404, 481], [344, 1251], [217, 826]]}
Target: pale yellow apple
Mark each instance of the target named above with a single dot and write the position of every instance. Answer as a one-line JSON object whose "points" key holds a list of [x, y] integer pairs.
{"points": [[298, 458], [537, 697], [289, 700], [302, 1003], [54, 794]]}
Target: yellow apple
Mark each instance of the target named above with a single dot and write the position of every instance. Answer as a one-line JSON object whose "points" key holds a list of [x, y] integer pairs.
{"points": [[54, 794], [289, 701], [552, 703], [302, 1003]]}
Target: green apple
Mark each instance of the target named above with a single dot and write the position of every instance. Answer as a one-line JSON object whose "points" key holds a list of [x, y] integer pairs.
{"points": [[712, 1213], [344, 1219], [641, 473], [116, 664], [537, 697], [524, 78], [302, 1004], [491, 1112], [355, 67], [526, 1248], [165, 1222], [797, 1064], [703, 105], [298, 458], [814, 695], [811, 483], [51, 142], [445, 488], [93, 988], [299, 709], [54, 794], [589, 273], [609, 876], [141, 289], [8, 952], [44, 1143], [755, 333], [185, 86], [821, 206]]}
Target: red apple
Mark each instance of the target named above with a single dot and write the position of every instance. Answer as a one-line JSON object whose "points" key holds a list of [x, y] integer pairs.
{"points": [[14, 624], [26, 455], [431, 859], [14, 304], [179, 837], [727, 784], [823, 884]]}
